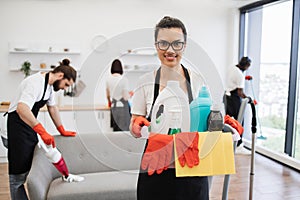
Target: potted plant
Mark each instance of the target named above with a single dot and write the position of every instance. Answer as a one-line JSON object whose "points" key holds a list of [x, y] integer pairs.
{"points": [[26, 68]]}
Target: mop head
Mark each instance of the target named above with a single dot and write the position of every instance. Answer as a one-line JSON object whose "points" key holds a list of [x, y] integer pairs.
{"points": [[261, 137]]}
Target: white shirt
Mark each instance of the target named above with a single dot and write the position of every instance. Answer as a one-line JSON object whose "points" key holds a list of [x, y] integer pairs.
{"points": [[143, 95], [31, 90], [117, 86], [236, 79]]}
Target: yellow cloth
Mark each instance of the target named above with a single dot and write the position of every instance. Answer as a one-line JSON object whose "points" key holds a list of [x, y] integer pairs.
{"points": [[216, 156]]}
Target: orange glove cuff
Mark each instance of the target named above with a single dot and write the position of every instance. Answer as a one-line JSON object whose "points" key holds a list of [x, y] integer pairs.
{"points": [[39, 129], [61, 129], [46, 137], [141, 121]]}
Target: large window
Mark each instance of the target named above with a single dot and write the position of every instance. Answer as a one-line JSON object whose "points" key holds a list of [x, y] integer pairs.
{"points": [[267, 32]]}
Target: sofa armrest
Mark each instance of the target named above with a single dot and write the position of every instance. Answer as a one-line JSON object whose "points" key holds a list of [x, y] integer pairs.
{"points": [[40, 176]]}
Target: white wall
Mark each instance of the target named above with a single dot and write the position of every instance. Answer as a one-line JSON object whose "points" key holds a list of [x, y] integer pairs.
{"points": [[212, 24]]}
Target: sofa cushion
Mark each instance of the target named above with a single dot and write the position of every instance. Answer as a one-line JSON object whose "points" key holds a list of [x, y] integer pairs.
{"points": [[115, 185], [90, 153]]}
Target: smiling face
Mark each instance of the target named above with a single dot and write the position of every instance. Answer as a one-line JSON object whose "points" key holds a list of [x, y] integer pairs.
{"points": [[170, 57]]}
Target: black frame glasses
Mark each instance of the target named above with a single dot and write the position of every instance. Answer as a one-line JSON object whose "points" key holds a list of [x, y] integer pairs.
{"points": [[176, 45]]}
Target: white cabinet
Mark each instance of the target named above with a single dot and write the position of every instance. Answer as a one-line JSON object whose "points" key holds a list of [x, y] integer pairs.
{"points": [[92, 121], [104, 120], [80, 121], [67, 119]]}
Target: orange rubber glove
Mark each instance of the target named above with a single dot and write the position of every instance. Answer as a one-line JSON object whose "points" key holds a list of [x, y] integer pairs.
{"points": [[255, 102], [234, 124], [46, 137], [63, 132], [158, 154], [248, 77], [131, 93], [187, 148], [137, 125]]}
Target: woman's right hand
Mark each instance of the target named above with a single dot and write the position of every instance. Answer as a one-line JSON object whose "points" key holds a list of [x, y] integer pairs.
{"points": [[136, 125]]}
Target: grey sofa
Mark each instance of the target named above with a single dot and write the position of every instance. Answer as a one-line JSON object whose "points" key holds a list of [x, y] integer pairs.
{"points": [[109, 163]]}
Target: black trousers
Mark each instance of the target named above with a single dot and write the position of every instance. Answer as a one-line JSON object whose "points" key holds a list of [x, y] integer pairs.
{"points": [[166, 186], [232, 107]]}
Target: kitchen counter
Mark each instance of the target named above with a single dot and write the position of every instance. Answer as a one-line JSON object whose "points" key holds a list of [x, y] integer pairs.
{"points": [[4, 108]]}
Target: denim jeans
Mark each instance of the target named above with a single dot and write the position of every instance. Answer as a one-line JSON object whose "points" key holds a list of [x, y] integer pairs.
{"points": [[16, 184]]}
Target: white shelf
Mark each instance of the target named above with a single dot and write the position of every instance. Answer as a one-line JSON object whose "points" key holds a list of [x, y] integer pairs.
{"points": [[33, 69], [45, 52], [138, 70], [12, 69], [147, 51], [138, 54], [40, 52]]}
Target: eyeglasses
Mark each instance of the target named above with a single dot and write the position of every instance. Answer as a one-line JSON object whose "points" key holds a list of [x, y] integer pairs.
{"points": [[164, 45]]}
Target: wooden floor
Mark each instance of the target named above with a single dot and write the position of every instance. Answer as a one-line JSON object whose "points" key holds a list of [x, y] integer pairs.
{"points": [[272, 181]]}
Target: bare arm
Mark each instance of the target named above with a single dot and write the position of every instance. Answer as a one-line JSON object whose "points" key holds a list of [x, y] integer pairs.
{"points": [[54, 114], [108, 96], [126, 95], [26, 115], [241, 93]]}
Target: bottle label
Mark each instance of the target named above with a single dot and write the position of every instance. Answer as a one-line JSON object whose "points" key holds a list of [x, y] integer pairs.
{"points": [[174, 131]]}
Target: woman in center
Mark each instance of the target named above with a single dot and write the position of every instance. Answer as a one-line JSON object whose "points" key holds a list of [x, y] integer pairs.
{"points": [[157, 179]]}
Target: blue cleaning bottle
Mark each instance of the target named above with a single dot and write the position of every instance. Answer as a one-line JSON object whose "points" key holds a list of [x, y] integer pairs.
{"points": [[199, 110]]}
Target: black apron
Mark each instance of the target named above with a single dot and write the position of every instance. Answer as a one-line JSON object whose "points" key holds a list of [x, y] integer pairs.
{"points": [[120, 116], [22, 139], [166, 186]]}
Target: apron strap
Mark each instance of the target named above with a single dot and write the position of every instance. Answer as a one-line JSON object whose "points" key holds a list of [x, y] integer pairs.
{"points": [[188, 83], [45, 85]]}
